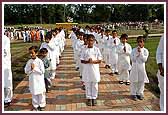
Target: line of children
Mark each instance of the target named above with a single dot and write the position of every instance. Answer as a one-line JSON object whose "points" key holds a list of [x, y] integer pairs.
{"points": [[113, 51]]}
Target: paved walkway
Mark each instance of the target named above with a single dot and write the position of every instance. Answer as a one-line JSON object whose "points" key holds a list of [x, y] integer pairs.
{"points": [[66, 93]]}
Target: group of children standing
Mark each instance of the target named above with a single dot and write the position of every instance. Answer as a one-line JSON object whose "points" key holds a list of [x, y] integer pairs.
{"points": [[41, 68], [96, 45]]}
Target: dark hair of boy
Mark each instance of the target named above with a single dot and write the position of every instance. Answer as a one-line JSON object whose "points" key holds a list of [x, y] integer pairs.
{"points": [[124, 36], [140, 38], [48, 35], [81, 34], [107, 30], [102, 30], [43, 50], [91, 36], [35, 48], [114, 31]]}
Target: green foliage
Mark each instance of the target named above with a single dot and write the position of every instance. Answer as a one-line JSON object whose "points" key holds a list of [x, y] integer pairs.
{"points": [[81, 13]]}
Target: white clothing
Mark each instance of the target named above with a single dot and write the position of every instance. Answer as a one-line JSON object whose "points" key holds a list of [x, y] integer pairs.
{"points": [[137, 88], [36, 76], [138, 72], [161, 79], [106, 50], [8, 86], [77, 49], [91, 90], [124, 60], [39, 100], [113, 59], [51, 52], [57, 52], [91, 72]]}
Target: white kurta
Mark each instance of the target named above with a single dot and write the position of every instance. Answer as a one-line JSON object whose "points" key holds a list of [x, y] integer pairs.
{"points": [[138, 71], [36, 76], [106, 51], [57, 52], [113, 50], [7, 75], [161, 79], [51, 52], [91, 72], [124, 57], [124, 60]]}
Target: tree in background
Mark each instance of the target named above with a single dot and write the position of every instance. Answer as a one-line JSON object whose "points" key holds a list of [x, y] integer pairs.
{"points": [[81, 13]]}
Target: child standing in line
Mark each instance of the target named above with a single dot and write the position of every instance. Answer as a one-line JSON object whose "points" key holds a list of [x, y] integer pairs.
{"points": [[50, 46], [138, 76], [124, 51], [35, 70], [113, 57], [106, 49], [81, 64], [47, 64], [91, 58]]}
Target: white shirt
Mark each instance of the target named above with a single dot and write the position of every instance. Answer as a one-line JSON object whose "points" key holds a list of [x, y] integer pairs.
{"points": [[36, 76], [160, 52], [138, 71], [91, 72]]}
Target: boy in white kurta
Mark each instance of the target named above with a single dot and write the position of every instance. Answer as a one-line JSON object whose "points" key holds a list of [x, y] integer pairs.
{"points": [[138, 76], [35, 70], [91, 57], [106, 51], [160, 73], [124, 51], [113, 56], [7, 72]]}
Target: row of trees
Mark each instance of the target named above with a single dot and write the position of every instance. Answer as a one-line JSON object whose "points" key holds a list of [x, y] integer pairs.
{"points": [[81, 13]]}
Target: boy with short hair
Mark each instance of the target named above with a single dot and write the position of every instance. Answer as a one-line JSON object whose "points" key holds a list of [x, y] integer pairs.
{"points": [[47, 65], [113, 44], [35, 70], [124, 51], [91, 58], [138, 76]]}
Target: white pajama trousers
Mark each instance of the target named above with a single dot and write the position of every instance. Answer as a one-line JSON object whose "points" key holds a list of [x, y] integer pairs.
{"points": [[137, 88], [39, 100], [8, 93], [124, 74], [161, 87], [91, 90]]}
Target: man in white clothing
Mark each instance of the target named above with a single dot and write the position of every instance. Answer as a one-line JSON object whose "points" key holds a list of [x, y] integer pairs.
{"points": [[160, 73], [7, 72]]}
